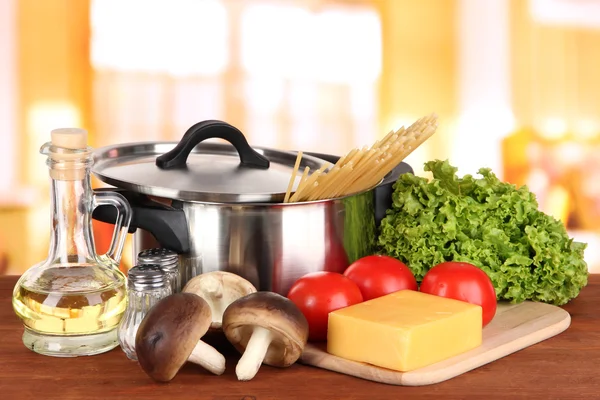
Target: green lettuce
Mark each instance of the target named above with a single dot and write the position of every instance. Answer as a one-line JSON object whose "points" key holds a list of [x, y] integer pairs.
{"points": [[486, 222]]}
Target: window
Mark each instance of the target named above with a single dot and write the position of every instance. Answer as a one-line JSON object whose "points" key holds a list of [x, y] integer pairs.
{"points": [[276, 70], [8, 92]]}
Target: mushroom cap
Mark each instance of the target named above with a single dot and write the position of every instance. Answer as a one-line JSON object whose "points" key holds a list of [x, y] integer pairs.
{"points": [[169, 332], [271, 311], [219, 285]]}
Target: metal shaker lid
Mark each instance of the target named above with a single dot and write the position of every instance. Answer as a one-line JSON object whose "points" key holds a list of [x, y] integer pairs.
{"points": [[144, 277], [167, 259], [205, 172]]}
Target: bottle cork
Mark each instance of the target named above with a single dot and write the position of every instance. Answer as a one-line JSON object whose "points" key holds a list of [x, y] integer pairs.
{"points": [[69, 138]]}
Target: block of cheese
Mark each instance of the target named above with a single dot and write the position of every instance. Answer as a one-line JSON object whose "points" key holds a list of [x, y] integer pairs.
{"points": [[404, 330]]}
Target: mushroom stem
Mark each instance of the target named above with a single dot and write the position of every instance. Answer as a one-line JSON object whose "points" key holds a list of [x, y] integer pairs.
{"points": [[255, 352], [208, 357], [215, 291], [218, 306]]}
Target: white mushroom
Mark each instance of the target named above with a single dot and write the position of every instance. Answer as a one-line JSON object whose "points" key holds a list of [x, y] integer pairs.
{"points": [[219, 289]]}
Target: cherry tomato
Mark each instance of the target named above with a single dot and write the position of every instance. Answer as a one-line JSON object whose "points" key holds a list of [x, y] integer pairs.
{"points": [[319, 293], [462, 281], [378, 275]]}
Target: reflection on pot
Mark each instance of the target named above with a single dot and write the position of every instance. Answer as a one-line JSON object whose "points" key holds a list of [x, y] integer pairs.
{"points": [[272, 245]]}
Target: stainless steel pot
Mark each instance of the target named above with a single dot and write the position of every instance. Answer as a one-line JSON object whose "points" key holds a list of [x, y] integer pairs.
{"points": [[221, 212]]}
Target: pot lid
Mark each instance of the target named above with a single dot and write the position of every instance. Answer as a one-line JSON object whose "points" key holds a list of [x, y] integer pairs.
{"points": [[204, 172]]}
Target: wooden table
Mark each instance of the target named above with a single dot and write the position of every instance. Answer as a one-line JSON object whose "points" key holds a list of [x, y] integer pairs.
{"points": [[564, 367]]}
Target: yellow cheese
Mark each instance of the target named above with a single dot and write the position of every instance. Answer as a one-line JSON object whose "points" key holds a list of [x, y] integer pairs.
{"points": [[404, 330]]}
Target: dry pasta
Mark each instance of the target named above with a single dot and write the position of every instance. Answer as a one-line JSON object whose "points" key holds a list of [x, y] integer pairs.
{"points": [[360, 169]]}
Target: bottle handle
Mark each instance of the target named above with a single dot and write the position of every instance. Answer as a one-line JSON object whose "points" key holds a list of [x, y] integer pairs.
{"points": [[122, 221]]}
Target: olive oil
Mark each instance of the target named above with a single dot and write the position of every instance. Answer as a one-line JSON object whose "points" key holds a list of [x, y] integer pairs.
{"points": [[78, 303]]}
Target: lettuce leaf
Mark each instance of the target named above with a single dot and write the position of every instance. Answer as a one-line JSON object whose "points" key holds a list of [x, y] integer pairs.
{"points": [[494, 225]]}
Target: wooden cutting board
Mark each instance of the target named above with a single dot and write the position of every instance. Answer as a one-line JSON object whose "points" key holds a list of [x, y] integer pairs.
{"points": [[514, 327]]}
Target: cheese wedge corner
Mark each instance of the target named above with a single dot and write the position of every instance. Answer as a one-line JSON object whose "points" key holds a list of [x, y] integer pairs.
{"points": [[405, 330]]}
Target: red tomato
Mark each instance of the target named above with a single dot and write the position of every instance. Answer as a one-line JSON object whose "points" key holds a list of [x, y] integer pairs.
{"points": [[462, 281], [377, 276], [319, 293]]}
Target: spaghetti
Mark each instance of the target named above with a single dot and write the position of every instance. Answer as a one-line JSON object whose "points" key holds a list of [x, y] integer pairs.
{"points": [[360, 169]]}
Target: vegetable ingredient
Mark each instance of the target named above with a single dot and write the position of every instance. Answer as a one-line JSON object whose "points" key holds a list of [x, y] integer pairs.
{"points": [[317, 294], [267, 329], [219, 289], [169, 336], [462, 281], [379, 275], [483, 221]]}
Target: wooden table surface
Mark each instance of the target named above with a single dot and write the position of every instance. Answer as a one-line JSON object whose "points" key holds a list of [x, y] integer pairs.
{"points": [[564, 367]]}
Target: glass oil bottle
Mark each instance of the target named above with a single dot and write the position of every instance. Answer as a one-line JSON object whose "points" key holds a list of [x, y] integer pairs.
{"points": [[71, 303]]}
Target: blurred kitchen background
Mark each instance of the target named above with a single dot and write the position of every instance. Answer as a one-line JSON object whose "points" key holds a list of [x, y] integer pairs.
{"points": [[516, 84]]}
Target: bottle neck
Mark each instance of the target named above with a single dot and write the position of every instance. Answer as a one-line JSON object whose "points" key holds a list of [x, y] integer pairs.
{"points": [[71, 202]]}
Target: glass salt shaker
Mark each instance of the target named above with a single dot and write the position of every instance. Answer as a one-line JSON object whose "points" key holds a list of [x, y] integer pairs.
{"points": [[168, 260], [147, 284]]}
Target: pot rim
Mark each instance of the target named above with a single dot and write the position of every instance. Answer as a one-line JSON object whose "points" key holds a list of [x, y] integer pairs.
{"points": [[168, 201]]}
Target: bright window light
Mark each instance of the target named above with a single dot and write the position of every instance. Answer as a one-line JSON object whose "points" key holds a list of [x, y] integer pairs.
{"points": [[264, 95], [41, 119], [553, 128], [350, 52], [274, 40], [8, 93], [196, 101], [295, 43], [572, 13], [586, 128], [302, 106], [176, 37], [264, 130]]}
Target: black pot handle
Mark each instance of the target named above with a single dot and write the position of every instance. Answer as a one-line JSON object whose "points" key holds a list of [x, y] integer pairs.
{"points": [[177, 157], [400, 169], [168, 225]]}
